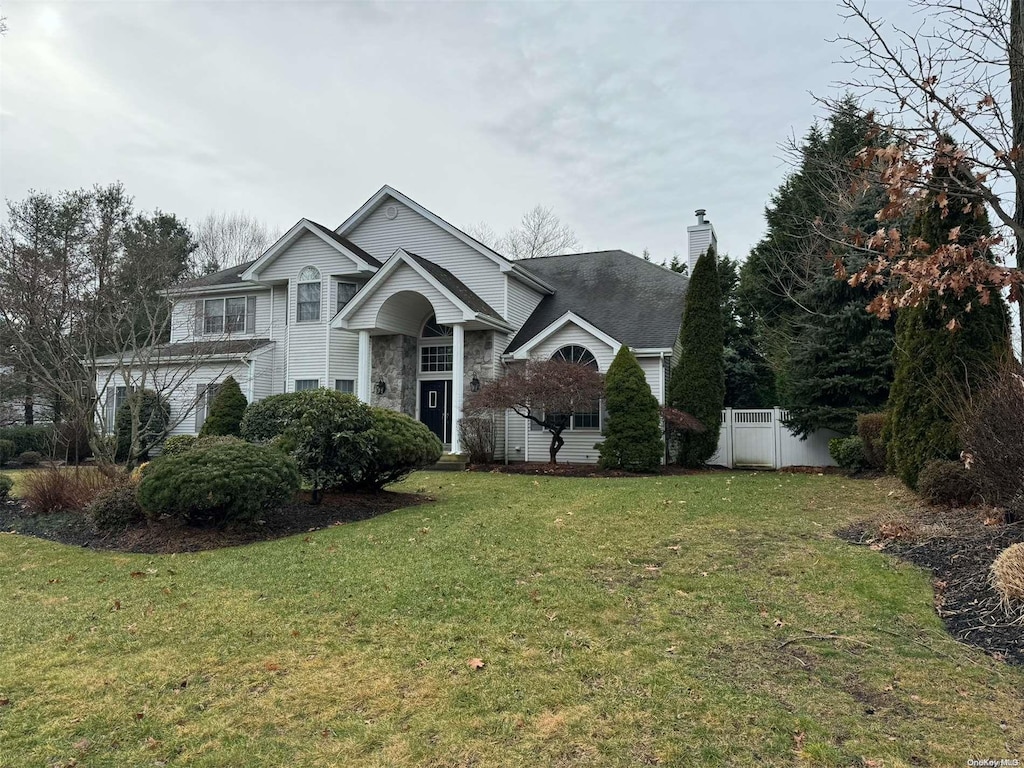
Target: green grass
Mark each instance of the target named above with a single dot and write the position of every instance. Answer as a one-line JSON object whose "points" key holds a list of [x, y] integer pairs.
{"points": [[622, 622], [18, 476]]}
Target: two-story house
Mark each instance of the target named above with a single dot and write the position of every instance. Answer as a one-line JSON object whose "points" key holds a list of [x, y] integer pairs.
{"points": [[408, 312]]}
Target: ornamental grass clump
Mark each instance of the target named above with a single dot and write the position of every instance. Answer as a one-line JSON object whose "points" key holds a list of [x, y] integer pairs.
{"points": [[1007, 578]]}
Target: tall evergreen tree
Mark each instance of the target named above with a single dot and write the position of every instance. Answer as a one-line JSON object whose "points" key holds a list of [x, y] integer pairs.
{"points": [[938, 367], [749, 381], [697, 385], [632, 433]]}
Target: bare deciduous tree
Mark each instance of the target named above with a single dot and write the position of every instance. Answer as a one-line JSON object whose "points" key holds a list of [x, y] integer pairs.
{"points": [[539, 233], [952, 88], [228, 239]]}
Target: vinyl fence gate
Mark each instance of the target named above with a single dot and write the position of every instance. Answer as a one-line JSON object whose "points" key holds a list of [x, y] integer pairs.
{"points": [[757, 438]]}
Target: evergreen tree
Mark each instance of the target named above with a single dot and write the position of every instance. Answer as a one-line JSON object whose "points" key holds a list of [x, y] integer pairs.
{"points": [[749, 381], [937, 368], [698, 379], [632, 433], [226, 410]]}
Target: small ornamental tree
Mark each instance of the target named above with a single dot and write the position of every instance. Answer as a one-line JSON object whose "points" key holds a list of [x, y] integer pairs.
{"points": [[632, 434], [697, 386], [226, 411], [547, 392]]}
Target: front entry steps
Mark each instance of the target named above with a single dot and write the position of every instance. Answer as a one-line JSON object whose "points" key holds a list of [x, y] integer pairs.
{"points": [[451, 462]]}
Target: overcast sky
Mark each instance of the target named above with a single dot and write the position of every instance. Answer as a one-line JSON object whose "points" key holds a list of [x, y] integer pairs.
{"points": [[622, 117]]}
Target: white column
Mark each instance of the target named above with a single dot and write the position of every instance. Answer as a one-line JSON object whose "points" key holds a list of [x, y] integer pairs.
{"points": [[458, 382], [363, 380]]}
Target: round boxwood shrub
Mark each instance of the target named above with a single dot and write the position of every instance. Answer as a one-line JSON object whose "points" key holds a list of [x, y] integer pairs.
{"points": [[177, 444], [267, 418], [7, 451], [30, 458], [226, 411], [116, 508], [216, 482], [947, 482], [848, 453], [6, 484], [399, 446]]}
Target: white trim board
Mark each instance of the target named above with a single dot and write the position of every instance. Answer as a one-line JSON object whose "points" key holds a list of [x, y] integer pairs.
{"points": [[523, 352], [285, 241]]}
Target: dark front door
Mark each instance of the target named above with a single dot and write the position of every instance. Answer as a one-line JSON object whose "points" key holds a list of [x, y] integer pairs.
{"points": [[436, 407]]}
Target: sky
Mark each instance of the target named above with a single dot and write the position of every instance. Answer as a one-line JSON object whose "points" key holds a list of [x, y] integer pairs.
{"points": [[621, 117]]}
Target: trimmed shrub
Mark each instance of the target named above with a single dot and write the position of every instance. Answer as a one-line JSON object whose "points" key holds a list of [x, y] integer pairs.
{"points": [[153, 415], [7, 451], [1007, 578], [217, 482], [266, 419], [46, 491], [177, 444], [947, 482], [848, 453], [30, 459], [476, 433], [226, 411], [870, 427], [34, 438], [399, 445], [6, 484], [116, 508], [697, 385], [632, 433]]}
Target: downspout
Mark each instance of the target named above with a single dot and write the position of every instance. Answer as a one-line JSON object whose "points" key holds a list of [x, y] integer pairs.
{"points": [[506, 437]]}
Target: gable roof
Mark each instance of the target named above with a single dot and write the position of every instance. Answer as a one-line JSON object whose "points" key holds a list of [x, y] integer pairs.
{"points": [[347, 248], [638, 303], [450, 286], [504, 264]]}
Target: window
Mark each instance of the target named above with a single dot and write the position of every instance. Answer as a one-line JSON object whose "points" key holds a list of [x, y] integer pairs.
{"points": [[574, 353], [345, 293], [302, 385], [213, 316], [347, 386], [436, 359], [234, 315], [205, 395], [228, 315], [307, 306], [115, 399], [434, 330]]}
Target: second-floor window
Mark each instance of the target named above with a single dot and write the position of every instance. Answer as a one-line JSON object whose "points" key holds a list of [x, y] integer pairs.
{"points": [[346, 291], [225, 315], [307, 305]]}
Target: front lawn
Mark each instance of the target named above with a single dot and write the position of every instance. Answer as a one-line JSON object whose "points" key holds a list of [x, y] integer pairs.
{"points": [[692, 620]]}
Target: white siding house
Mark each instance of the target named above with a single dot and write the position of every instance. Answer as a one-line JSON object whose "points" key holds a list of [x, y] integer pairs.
{"points": [[408, 312]]}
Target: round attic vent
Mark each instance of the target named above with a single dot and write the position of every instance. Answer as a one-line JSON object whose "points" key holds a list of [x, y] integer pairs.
{"points": [[391, 212]]}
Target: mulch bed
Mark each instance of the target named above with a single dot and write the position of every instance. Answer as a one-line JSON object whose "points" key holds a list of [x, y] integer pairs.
{"points": [[300, 516], [958, 547]]}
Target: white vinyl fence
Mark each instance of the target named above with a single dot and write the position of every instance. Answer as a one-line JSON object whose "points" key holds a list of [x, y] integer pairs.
{"points": [[758, 438]]}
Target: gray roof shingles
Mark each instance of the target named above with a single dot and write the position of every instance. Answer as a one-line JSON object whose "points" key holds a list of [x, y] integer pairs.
{"points": [[638, 303], [456, 286], [223, 347]]}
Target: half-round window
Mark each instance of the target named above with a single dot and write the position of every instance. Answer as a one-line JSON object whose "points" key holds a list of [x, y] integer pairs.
{"points": [[434, 330], [574, 353], [307, 303]]}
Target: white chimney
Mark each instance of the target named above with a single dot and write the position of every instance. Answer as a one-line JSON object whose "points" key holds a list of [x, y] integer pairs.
{"points": [[698, 238]]}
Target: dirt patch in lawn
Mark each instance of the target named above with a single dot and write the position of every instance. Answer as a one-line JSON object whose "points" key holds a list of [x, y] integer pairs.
{"points": [[166, 537], [958, 546]]}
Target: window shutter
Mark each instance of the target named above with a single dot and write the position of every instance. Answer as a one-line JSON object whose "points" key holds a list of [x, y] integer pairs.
{"points": [[250, 314], [200, 406], [108, 410], [198, 326]]}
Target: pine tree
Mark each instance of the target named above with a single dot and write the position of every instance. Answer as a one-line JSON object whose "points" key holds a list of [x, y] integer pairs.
{"points": [[698, 378], [937, 368], [632, 433], [226, 411]]}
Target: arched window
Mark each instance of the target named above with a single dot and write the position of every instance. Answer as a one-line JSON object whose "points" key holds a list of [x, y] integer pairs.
{"points": [[308, 296], [434, 330], [574, 353], [436, 355]]}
